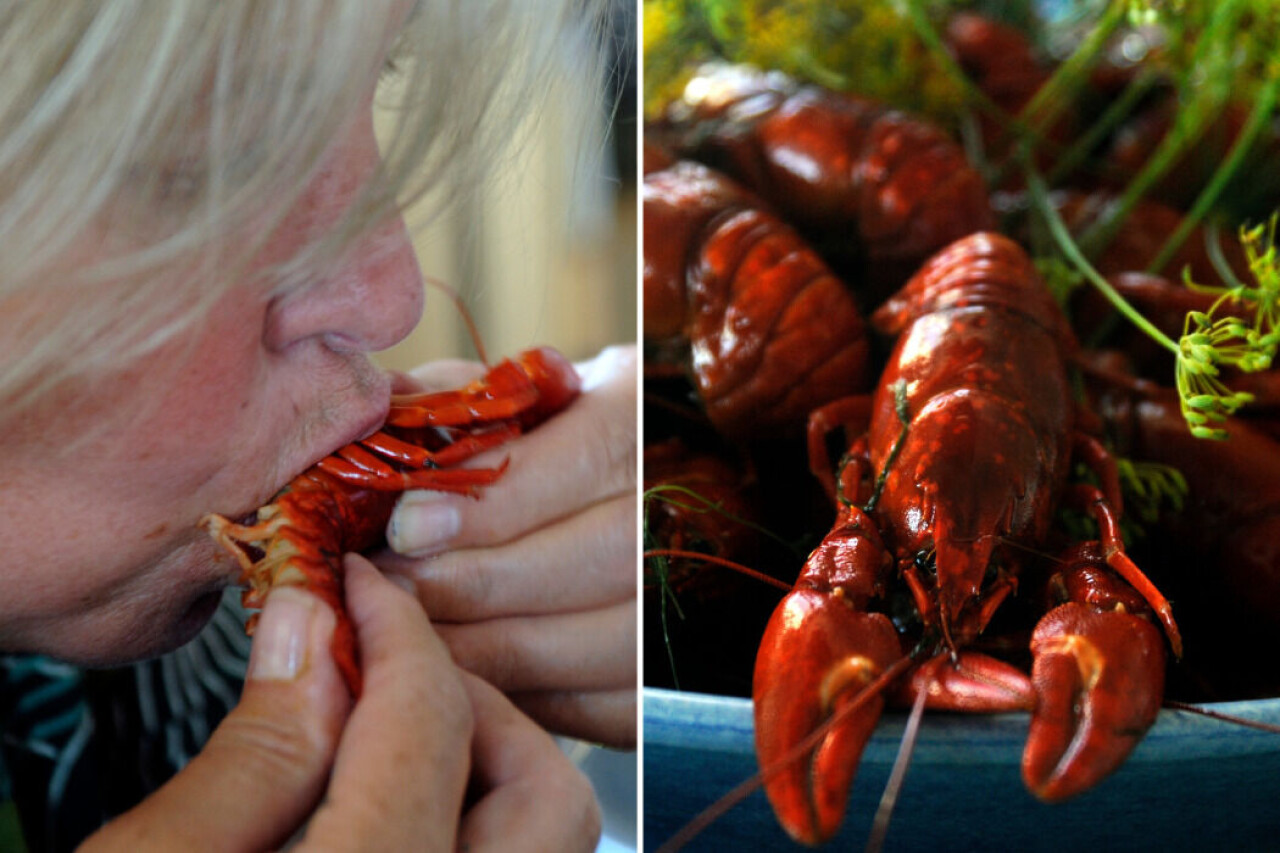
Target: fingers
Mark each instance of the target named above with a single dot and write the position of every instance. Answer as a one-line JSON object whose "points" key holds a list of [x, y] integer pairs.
{"points": [[584, 561], [606, 717], [589, 650], [537, 578], [574, 460], [402, 765], [267, 763], [533, 797]]}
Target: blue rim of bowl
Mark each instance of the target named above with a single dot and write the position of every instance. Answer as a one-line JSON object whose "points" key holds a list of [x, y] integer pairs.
{"points": [[724, 723]]}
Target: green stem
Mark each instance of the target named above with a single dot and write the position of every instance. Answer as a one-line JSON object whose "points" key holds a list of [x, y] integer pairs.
{"points": [[1259, 117], [1188, 127], [1058, 92], [662, 570], [1213, 246], [975, 96], [938, 51], [900, 404], [1058, 228], [1119, 109]]}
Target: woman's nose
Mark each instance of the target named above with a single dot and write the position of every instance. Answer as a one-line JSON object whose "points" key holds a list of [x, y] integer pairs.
{"points": [[372, 298], [369, 302]]}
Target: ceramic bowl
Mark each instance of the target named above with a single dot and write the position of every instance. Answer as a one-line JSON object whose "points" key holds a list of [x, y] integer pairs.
{"points": [[1193, 783]]}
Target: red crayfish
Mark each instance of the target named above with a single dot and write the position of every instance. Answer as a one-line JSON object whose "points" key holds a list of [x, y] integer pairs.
{"points": [[773, 333], [971, 432], [876, 189], [344, 501]]}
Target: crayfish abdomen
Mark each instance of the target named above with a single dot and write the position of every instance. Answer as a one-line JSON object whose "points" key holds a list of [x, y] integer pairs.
{"points": [[877, 190], [771, 332]]}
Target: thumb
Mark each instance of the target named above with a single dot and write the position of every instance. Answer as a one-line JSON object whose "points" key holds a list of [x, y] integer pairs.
{"points": [[265, 767]]}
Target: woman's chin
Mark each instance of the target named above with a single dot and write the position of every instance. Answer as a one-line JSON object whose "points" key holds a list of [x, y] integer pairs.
{"points": [[160, 634], [196, 616]]}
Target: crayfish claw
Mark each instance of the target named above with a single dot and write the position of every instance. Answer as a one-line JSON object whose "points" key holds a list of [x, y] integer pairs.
{"points": [[1099, 679], [816, 705]]}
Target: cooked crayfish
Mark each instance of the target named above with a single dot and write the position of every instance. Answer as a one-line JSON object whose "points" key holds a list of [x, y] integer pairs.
{"points": [[875, 189], [344, 501], [773, 332], [971, 432]]}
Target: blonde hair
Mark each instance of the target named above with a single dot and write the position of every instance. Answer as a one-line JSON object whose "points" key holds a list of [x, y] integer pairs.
{"points": [[157, 130]]}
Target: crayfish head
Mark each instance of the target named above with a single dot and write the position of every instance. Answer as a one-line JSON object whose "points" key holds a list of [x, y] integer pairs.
{"points": [[555, 379], [961, 567], [974, 478]]}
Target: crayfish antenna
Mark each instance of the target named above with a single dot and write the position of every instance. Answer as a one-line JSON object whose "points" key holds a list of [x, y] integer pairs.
{"points": [[873, 691], [718, 561], [889, 799], [711, 814], [467, 319], [1174, 705]]}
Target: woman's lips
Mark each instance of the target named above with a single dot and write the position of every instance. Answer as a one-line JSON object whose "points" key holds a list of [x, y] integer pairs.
{"points": [[366, 427], [371, 424]]}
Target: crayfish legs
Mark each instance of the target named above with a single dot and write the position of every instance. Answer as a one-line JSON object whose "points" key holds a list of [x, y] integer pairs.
{"points": [[344, 501], [298, 540]]}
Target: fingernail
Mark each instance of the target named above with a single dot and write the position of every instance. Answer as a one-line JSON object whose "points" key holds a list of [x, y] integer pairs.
{"points": [[423, 523], [282, 637]]}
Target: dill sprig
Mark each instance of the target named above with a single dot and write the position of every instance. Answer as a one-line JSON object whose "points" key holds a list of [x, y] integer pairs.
{"points": [[676, 40], [1061, 278], [1210, 343], [1148, 489], [660, 571], [694, 502]]}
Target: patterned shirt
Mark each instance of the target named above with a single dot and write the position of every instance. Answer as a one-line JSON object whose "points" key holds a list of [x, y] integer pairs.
{"points": [[81, 746]]}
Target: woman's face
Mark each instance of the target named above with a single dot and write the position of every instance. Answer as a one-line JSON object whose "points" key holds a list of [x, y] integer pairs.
{"points": [[101, 560]]}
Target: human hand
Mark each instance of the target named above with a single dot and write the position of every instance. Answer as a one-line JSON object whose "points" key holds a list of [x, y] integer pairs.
{"points": [[295, 753], [536, 592]]}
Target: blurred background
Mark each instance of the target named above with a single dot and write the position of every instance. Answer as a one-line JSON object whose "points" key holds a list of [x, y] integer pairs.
{"points": [[545, 252]]}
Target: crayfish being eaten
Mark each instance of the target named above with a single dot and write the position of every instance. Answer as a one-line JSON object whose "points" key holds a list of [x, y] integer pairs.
{"points": [[344, 501]]}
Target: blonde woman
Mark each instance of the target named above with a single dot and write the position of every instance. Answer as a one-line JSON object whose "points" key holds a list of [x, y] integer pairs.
{"points": [[199, 245]]}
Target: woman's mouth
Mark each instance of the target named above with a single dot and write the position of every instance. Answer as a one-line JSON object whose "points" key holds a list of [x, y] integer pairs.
{"points": [[370, 425], [362, 429]]}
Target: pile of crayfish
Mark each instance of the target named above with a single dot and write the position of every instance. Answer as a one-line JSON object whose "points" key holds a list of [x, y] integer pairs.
{"points": [[344, 502], [849, 346]]}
